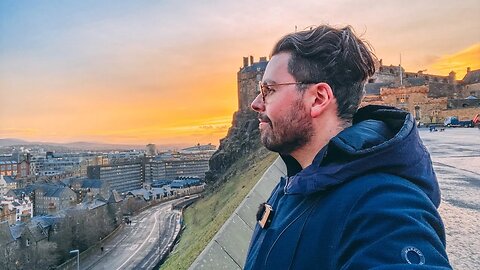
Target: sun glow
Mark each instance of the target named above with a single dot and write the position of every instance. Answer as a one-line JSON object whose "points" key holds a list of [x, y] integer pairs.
{"points": [[457, 62]]}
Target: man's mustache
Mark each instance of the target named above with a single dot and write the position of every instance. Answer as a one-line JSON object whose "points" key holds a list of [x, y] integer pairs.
{"points": [[264, 118]]}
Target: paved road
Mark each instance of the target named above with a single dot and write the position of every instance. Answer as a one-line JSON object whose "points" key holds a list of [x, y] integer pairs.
{"points": [[136, 246], [456, 159]]}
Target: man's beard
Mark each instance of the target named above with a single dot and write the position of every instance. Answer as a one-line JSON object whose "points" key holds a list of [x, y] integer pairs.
{"points": [[289, 133]]}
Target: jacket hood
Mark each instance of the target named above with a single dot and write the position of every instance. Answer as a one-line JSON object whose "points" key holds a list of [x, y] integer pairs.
{"points": [[381, 140]]}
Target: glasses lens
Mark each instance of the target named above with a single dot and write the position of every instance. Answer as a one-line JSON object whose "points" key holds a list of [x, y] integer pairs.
{"points": [[261, 89]]}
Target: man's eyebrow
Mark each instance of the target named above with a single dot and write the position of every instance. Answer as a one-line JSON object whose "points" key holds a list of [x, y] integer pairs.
{"points": [[269, 82]]}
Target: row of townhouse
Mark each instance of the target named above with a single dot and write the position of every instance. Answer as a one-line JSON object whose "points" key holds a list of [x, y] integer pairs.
{"points": [[15, 168], [16, 210]]}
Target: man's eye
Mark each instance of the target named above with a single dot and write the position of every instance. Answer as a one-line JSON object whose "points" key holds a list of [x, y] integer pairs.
{"points": [[269, 90]]}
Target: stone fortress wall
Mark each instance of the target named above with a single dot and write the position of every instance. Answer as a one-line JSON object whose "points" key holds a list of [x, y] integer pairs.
{"points": [[430, 98], [248, 77]]}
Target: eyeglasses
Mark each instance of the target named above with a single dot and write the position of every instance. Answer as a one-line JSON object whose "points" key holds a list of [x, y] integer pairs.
{"points": [[266, 90]]}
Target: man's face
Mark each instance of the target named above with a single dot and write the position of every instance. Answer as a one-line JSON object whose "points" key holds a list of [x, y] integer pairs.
{"points": [[285, 123]]}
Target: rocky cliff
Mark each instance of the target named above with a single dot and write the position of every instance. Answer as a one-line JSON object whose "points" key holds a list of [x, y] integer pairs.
{"points": [[243, 138]]}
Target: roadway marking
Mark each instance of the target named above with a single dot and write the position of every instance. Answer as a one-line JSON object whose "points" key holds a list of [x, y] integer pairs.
{"points": [[144, 242], [154, 257]]}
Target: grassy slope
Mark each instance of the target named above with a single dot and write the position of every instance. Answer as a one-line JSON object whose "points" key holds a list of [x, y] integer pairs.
{"points": [[206, 217]]}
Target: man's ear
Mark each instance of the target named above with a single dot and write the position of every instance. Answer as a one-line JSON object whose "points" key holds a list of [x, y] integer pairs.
{"points": [[321, 96]]}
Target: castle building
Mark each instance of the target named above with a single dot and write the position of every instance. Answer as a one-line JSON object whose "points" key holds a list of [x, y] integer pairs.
{"points": [[248, 77], [430, 98]]}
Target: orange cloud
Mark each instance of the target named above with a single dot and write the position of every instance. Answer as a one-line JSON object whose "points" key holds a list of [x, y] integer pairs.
{"points": [[458, 62]]}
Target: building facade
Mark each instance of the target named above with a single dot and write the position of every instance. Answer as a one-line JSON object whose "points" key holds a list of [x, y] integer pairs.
{"points": [[248, 77], [119, 177], [51, 199], [430, 98], [16, 210]]}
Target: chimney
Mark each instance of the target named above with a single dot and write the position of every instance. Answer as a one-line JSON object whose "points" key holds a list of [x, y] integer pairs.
{"points": [[245, 62], [251, 60], [468, 70]]}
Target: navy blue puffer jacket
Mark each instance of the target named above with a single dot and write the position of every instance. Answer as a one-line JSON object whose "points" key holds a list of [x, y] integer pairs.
{"points": [[368, 201]]}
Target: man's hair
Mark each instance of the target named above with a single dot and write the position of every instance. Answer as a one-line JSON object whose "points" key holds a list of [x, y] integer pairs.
{"points": [[334, 56]]}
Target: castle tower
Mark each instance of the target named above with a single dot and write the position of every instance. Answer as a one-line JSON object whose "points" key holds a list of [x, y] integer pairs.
{"points": [[452, 77], [248, 77]]}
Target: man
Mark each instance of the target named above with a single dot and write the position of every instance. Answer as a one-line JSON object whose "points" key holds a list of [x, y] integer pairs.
{"points": [[360, 192]]}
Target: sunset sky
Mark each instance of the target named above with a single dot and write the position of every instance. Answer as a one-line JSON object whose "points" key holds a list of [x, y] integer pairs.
{"points": [[164, 72]]}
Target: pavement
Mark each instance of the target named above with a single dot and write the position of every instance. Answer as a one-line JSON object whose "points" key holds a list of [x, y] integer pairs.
{"points": [[455, 154]]}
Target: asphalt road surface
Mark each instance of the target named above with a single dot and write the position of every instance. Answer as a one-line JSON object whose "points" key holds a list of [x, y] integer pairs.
{"points": [[455, 154], [137, 245]]}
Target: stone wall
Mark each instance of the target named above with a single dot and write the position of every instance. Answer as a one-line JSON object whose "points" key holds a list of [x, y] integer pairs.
{"points": [[247, 82], [463, 103], [442, 90], [471, 90], [414, 100], [462, 114]]}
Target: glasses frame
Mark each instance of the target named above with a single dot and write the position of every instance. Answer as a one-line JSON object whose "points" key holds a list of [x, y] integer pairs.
{"points": [[265, 88]]}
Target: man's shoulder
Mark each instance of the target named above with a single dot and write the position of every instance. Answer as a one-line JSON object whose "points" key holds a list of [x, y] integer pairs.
{"points": [[367, 182], [376, 187]]}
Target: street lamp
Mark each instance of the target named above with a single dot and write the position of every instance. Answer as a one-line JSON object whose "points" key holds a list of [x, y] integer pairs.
{"points": [[78, 257]]}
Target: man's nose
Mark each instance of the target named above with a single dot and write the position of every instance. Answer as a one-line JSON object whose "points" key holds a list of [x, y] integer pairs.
{"points": [[257, 104]]}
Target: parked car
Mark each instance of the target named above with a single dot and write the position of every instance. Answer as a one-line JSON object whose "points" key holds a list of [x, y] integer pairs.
{"points": [[452, 121]]}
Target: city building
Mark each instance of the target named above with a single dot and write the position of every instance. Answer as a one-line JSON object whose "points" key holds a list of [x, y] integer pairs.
{"points": [[151, 150], [199, 149], [8, 168], [87, 187], [6, 183], [119, 177], [188, 162], [49, 199], [50, 163], [185, 182], [16, 209]]}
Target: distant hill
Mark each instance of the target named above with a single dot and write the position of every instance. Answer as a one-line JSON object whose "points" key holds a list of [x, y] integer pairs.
{"points": [[10, 142], [95, 146]]}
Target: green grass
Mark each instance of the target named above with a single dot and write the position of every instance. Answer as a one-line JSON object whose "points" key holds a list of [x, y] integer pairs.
{"points": [[204, 218]]}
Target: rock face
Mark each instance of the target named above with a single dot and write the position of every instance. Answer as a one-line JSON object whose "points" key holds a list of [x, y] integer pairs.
{"points": [[243, 137]]}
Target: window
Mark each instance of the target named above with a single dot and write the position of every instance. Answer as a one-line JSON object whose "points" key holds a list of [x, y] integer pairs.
{"points": [[27, 243]]}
